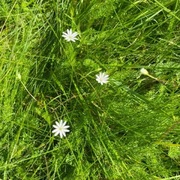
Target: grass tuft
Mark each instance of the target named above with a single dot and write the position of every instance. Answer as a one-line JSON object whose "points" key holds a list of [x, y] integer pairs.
{"points": [[125, 129]]}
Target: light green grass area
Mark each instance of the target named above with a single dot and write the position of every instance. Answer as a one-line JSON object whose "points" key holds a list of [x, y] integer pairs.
{"points": [[127, 129]]}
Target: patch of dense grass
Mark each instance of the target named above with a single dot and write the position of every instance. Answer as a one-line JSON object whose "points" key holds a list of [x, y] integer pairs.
{"points": [[125, 129]]}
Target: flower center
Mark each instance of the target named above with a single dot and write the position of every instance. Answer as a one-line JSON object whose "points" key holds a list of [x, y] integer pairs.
{"points": [[60, 128]]}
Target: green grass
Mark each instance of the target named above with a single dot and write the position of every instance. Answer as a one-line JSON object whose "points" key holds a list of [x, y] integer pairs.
{"points": [[127, 129]]}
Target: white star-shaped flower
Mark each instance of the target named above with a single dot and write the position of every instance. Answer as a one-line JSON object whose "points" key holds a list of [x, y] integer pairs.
{"points": [[60, 128], [69, 35], [102, 78]]}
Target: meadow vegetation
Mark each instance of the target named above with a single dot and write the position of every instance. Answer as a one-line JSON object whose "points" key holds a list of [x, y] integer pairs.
{"points": [[127, 129]]}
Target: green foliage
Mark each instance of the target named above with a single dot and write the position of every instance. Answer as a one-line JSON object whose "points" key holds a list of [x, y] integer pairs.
{"points": [[126, 129]]}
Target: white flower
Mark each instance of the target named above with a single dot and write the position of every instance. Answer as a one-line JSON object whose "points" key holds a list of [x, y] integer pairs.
{"points": [[60, 128], [69, 35], [102, 78], [144, 71]]}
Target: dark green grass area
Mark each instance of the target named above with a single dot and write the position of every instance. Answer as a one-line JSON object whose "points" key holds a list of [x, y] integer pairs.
{"points": [[127, 129]]}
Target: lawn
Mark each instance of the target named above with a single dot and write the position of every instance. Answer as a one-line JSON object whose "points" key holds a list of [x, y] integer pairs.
{"points": [[110, 70]]}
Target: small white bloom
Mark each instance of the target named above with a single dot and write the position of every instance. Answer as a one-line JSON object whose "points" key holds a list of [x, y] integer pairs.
{"points": [[69, 35], [144, 71], [60, 128], [102, 78]]}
